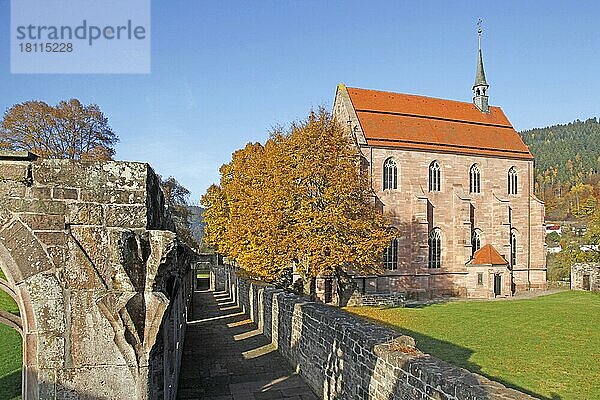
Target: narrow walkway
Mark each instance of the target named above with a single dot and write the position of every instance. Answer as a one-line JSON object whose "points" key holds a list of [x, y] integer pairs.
{"points": [[225, 357]]}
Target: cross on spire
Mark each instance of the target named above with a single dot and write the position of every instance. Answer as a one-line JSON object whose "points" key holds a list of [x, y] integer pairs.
{"points": [[479, 31]]}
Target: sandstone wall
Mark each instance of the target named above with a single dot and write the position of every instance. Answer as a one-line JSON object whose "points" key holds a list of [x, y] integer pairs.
{"points": [[100, 278], [495, 214], [344, 357]]}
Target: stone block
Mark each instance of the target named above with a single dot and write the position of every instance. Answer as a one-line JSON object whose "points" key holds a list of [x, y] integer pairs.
{"points": [[92, 336], [123, 175], [30, 350], [114, 196], [65, 193], [85, 214], [13, 172], [95, 244], [79, 271], [40, 193], [43, 221], [126, 216], [59, 172], [12, 189], [102, 382], [51, 350], [58, 255], [46, 207], [50, 321], [5, 215], [46, 382], [52, 238], [25, 250], [91, 174], [43, 287], [17, 205]]}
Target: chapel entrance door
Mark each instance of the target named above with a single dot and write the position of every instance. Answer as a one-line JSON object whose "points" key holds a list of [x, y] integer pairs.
{"points": [[586, 282], [497, 285], [328, 290]]}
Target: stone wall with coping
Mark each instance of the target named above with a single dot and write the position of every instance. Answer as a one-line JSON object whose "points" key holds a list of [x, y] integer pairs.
{"points": [[376, 299], [344, 357]]}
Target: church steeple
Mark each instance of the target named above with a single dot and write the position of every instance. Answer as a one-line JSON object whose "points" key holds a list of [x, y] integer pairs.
{"points": [[480, 88]]}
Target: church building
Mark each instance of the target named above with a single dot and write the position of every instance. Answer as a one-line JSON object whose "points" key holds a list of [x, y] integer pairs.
{"points": [[456, 181]]}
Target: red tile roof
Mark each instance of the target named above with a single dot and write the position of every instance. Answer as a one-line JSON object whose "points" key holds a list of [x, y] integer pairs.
{"points": [[425, 123], [488, 255]]}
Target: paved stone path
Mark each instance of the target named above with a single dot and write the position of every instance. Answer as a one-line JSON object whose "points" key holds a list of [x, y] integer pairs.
{"points": [[225, 357]]}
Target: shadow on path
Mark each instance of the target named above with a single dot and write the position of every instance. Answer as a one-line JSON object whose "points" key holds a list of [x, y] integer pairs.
{"points": [[226, 357]]}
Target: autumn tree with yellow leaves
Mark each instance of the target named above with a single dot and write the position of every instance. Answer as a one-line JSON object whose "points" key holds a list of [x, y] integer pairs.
{"points": [[300, 199]]}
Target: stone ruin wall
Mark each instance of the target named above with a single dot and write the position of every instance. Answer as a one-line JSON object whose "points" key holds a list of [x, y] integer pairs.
{"points": [[344, 357], [578, 271], [377, 299], [101, 280]]}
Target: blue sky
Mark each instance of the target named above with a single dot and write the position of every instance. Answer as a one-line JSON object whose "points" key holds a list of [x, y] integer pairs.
{"points": [[225, 72]]}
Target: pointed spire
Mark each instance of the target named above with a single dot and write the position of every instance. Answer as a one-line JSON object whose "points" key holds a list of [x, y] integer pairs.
{"points": [[480, 88], [480, 75]]}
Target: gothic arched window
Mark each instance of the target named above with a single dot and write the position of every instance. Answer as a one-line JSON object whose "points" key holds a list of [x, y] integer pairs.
{"points": [[434, 177], [513, 249], [390, 174], [475, 241], [435, 249], [390, 255], [474, 179], [512, 181]]}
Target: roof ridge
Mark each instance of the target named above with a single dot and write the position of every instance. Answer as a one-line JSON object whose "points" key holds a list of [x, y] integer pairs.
{"points": [[464, 121], [418, 95]]}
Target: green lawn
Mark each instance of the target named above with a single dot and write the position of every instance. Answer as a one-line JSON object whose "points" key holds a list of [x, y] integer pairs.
{"points": [[10, 353], [548, 346]]}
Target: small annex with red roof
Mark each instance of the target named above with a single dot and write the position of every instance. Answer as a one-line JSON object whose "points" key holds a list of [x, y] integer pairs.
{"points": [[489, 274], [488, 255]]}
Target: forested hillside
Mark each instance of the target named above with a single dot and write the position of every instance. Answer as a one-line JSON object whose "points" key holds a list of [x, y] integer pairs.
{"points": [[567, 167]]}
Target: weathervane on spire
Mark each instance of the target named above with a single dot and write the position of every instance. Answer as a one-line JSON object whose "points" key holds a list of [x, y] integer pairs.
{"points": [[479, 31]]}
